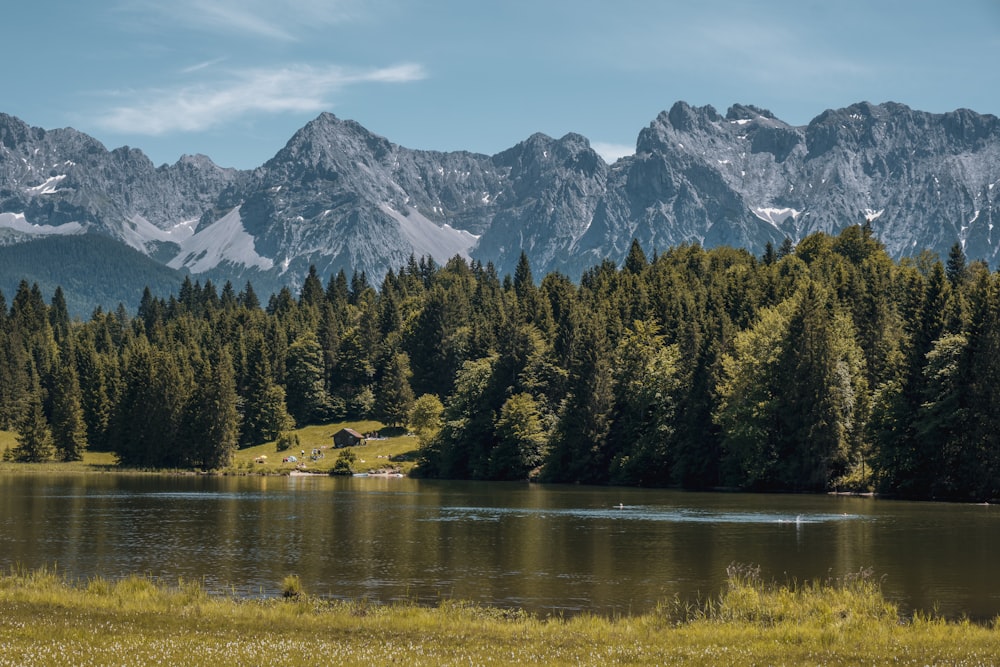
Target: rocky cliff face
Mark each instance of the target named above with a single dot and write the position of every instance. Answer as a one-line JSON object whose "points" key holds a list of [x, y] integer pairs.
{"points": [[338, 196], [64, 177]]}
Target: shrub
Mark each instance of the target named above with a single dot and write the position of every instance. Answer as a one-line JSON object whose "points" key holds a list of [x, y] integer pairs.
{"points": [[287, 440], [344, 463], [291, 587]]}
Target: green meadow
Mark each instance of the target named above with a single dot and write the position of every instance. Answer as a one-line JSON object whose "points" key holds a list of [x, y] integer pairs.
{"points": [[395, 453], [47, 620]]}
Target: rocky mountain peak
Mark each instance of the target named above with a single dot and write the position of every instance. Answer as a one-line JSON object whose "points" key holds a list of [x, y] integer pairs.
{"points": [[342, 197], [738, 112]]}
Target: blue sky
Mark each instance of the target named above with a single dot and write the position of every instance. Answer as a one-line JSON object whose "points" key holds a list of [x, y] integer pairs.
{"points": [[234, 79]]}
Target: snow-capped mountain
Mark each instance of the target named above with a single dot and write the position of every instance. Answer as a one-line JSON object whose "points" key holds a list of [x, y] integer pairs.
{"points": [[339, 197]]}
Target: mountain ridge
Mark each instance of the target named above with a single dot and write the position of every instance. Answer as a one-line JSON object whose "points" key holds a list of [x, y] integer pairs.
{"points": [[338, 196]]}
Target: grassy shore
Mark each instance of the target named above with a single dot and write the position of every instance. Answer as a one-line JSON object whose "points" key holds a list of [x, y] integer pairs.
{"points": [[47, 621], [396, 454]]}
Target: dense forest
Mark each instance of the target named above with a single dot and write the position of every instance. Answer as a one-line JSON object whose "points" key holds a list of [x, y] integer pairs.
{"points": [[822, 366]]}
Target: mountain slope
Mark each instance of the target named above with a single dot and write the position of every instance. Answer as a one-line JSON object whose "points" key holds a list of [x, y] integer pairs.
{"points": [[340, 197]]}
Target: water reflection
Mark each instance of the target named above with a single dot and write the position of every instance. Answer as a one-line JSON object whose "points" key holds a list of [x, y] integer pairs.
{"points": [[549, 549], [640, 513]]}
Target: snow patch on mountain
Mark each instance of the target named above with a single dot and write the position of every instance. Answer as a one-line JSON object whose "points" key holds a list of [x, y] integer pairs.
{"points": [[225, 240], [138, 232], [775, 216], [18, 223], [48, 187], [442, 242]]}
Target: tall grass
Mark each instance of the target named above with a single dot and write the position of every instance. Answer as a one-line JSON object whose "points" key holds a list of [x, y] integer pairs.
{"points": [[47, 620]]}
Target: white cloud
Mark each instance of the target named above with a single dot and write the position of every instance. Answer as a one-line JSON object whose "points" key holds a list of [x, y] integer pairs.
{"points": [[611, 152], [192, 108], [203, 65], [281, 21]]}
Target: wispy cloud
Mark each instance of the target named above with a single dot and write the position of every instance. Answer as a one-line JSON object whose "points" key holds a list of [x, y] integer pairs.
{"points": [[197, 67], [196, 107], [775, 53], [269, 19]]}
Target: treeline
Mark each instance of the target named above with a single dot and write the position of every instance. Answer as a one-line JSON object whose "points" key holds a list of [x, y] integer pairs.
{"points": [[823, 366]]}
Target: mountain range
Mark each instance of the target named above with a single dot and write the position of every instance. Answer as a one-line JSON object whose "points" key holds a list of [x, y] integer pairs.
{"points": [[340, 197]]}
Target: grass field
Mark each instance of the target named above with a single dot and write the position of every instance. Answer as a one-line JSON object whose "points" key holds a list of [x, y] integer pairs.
{"points": [[396, 453], [47, 621]]}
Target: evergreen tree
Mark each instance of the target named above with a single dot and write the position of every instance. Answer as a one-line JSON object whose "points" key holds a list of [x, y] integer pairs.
{"points": [[906, 463], [59, 315], [34, 439], [69, 431], [147, 416], [580, 451], [312, 289], [520, 439], [264, 413], [635, 261], [646, 397], [211, 421], [96, 399], [463, 446], [821, 410], [304, 381], [956, 269], [393, 395], [786, 248], [248, 298]]}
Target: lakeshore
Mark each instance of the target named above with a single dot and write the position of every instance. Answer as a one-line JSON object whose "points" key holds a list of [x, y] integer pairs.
{"points": [[135, 621]]}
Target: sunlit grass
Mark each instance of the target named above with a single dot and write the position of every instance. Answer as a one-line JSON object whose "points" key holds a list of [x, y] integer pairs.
{"points": [[394, 453], [47, 621], [92, 461], [397, 453]]}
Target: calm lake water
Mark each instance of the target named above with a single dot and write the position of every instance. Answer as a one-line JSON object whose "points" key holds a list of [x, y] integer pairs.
{"points": [[548, 549]]}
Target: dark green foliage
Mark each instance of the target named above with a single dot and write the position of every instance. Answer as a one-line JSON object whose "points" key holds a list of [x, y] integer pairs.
{"points": [[393, 395], [264, 413], [344, 463], [305, 389], [69, 431], [286, 441], [822, 365], [520, 439], [94, 270], [210, 426], [34, 438]]}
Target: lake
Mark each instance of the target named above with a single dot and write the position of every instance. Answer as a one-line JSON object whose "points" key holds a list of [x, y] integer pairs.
{"points": [[546, 548]]}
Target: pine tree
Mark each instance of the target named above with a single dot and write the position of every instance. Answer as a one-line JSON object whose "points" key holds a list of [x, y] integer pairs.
{"points": [[304, 380], [211, 422], [144, 429], [59, 315], [96, 400], [635, 261], [69, 431], [34, 438], [906, 463], [264, 413], [956, 269], [580, 451], [312, 289], [393, 395], [821, 407]]}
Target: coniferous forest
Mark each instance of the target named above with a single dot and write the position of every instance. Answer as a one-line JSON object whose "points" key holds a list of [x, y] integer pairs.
{"points": [[817, 367]]}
